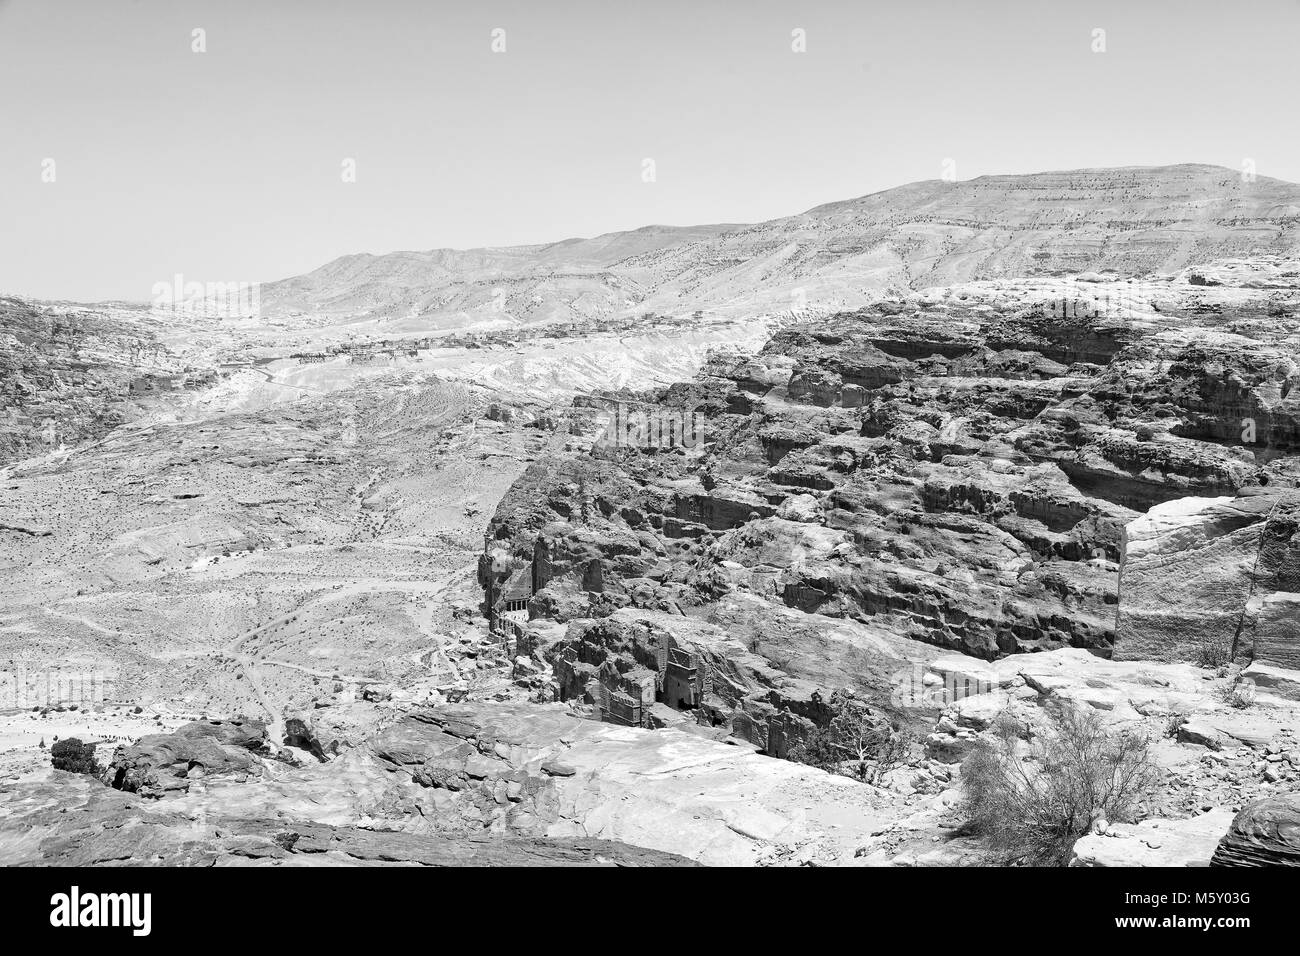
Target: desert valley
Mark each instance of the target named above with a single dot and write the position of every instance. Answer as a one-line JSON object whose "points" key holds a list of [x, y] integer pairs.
{"points": [[721, 545]]}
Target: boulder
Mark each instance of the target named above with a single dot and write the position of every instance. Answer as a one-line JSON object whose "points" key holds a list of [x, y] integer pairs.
{"points": [[163, 764], [298, 733], [799, 508], [1189, 842], [1278, 681], [1265, 833]]}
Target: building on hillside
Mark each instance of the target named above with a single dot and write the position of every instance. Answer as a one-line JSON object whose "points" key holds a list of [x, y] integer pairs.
{"points": [[507, 588], [622, 709], [681, 679], [515, 594]]}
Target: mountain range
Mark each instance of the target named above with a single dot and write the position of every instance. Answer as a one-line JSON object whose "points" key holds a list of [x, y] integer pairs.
{"points": [[1133, 221]]}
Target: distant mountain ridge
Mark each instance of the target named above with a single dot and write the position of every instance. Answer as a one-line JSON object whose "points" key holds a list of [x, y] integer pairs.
{"points": [[1134, 220]]}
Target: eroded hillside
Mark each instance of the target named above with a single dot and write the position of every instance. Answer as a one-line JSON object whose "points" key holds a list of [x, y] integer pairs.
{"points": [[838, 256]]}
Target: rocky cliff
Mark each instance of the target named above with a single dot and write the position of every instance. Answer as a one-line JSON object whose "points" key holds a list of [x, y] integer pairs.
{"points": [[1207, 577], [958, 468]]}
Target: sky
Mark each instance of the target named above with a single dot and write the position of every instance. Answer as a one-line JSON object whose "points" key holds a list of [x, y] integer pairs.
{"points": [[127, 156]]}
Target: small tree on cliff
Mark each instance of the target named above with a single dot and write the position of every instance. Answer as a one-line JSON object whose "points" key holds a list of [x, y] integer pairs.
{"points": [[856, 743], [73, 756], [1031, 806]]}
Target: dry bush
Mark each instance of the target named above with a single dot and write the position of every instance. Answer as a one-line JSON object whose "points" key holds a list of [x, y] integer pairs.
{"points": [[1031, 808], [1212, 654], [1239, 694]]}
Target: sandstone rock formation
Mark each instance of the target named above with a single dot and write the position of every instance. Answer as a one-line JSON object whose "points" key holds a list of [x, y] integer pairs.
{"points": [[955, 471], [1189, 842], [545, 771], [162, 763], [1215, 572], [1266, 833], [69, 820]]}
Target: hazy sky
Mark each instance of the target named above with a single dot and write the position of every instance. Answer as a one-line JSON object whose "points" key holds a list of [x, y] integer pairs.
{"points": [[227, 165]]}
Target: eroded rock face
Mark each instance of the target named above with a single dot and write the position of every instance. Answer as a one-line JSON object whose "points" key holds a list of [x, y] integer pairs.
{"points": [[160, 764], [1214, 573], [958, 470], [298, 733], [70, 820], [522, 782], [1266, 833], [484, 782], [541, 770], [640, 668]]}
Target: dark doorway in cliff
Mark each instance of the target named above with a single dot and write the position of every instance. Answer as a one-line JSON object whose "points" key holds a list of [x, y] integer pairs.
{"points": [[592, 577]]}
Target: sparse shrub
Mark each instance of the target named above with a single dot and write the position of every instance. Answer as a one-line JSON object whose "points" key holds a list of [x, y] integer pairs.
{"points": [[1213, 654], [1031, 808], [1239, 695], [73, 756], [856, 743]]}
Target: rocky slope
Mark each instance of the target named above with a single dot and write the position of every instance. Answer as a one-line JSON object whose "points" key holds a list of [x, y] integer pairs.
{"points": [[953, 469], [511, 781], [559, 281], [71, 376]]}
